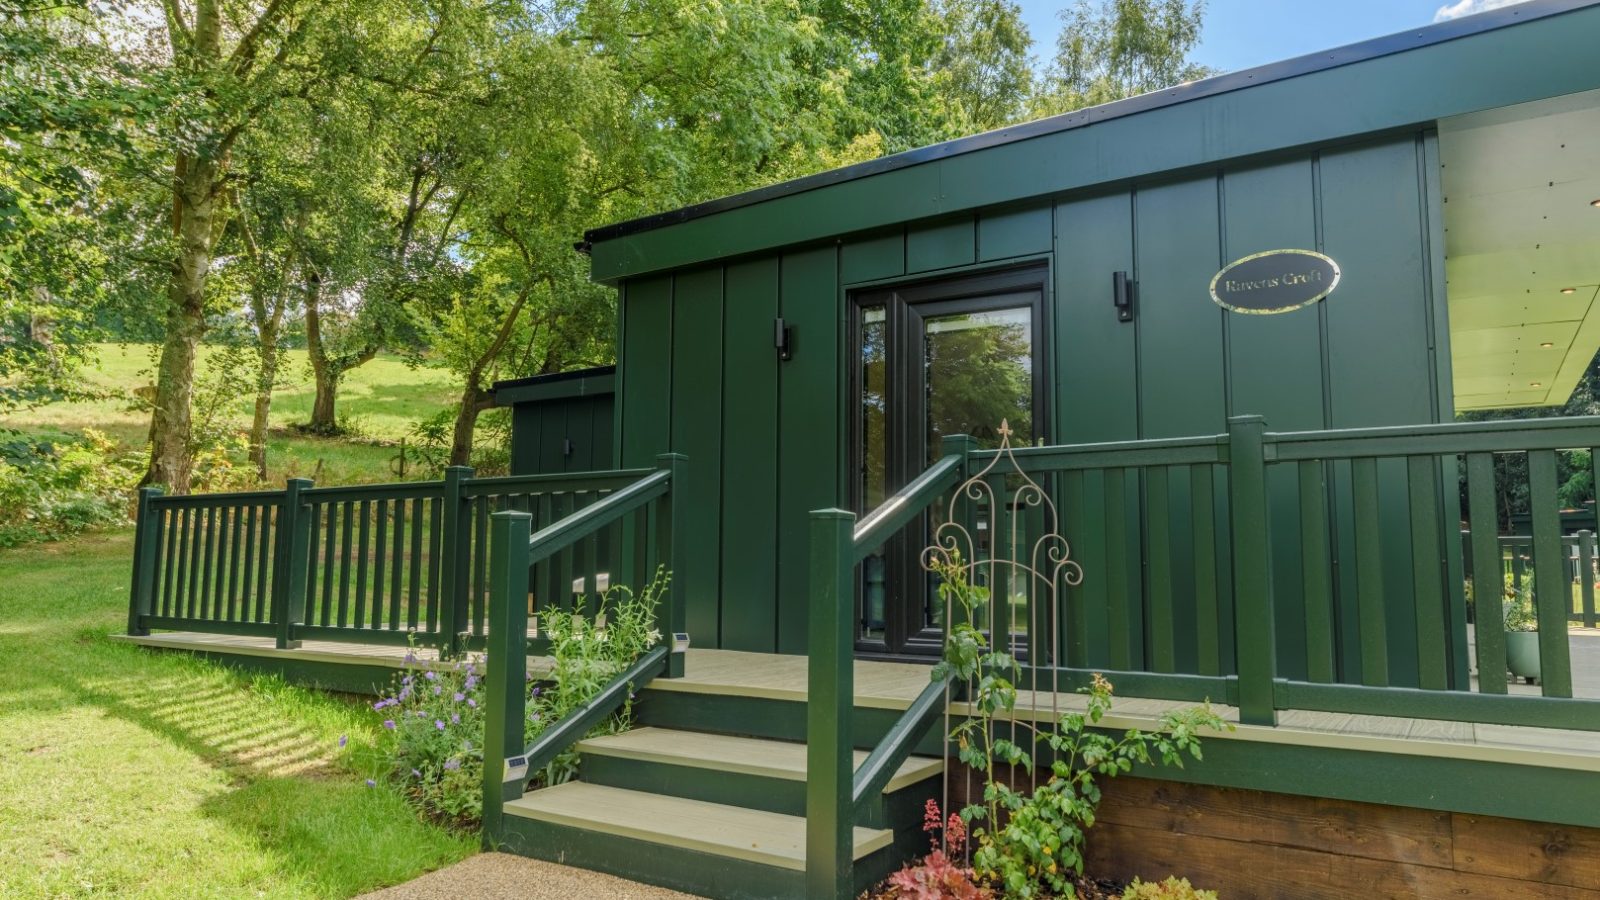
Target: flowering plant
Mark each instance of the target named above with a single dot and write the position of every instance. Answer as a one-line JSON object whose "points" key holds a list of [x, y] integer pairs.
{"points": [[435, 710], [937, 876]]}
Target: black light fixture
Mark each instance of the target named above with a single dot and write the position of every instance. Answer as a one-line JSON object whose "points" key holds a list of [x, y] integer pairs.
{"points": [[1122, 290], [781, 334]]}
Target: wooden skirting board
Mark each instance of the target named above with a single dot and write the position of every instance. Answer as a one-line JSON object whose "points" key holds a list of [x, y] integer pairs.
{"points": [[1253, 844]]}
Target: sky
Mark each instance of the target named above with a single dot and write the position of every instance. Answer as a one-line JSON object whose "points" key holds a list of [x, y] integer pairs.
{"points": [[1239, 34]]}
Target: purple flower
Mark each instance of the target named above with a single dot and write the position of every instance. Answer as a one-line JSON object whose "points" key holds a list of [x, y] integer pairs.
{"points": [[472, 703], [472, 682], [406, 680], [379, 705], [389, 724], [410, 657], [455, 718], [452, 764], [344, 739], [439, 724], [404, 693], [536, 692], [431, 675], [437, 690], [460, 696], [371, 783]]}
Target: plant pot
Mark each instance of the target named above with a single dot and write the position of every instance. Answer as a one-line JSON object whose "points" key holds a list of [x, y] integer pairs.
{"points": [[1522, 654]]}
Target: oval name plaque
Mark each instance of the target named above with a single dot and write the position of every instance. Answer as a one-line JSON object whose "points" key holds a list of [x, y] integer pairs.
{"points": [[1276, 281]]}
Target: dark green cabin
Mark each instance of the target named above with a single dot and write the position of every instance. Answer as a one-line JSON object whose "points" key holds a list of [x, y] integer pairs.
{"points": [[561, 422], [1449, 173]]}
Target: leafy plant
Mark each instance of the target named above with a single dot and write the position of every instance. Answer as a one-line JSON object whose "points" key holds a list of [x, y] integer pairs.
{"points": [[1032, 845], [436, 712], [53, 489], [1171, 889], [1520, 614], [937, 876]]}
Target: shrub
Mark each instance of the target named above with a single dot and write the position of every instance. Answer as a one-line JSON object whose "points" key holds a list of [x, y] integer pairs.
{"points": [[1171, 889], [936, 876], [436, 713], [54, 489]]}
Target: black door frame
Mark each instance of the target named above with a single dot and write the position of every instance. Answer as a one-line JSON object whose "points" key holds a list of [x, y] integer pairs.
{"points": [[906, 306]]}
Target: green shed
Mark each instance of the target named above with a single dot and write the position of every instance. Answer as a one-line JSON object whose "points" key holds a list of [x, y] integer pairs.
{"points": [[807, 344], [561, 422]]}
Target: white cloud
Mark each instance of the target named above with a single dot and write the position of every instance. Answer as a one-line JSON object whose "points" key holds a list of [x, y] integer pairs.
{"points": [[1469, 7]]}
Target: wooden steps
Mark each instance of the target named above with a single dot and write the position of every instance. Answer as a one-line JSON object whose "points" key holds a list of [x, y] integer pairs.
{"points": [[756, 836], [738, 755]]}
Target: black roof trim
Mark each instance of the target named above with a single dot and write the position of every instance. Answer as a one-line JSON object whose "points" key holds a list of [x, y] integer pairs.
{"points": [[1374, 48], [534, 380]]}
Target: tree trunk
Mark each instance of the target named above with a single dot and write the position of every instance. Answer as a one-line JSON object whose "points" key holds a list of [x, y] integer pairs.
{"points": [[171, 429], [473, 402], [266, 378], [324, 373]]}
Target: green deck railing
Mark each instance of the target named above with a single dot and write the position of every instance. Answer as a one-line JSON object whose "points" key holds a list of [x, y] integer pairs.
{"points": [[372, 564], [1318, 571], [516, 550]]}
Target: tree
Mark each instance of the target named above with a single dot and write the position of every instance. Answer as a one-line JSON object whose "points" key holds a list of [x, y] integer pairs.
{"points": [[1121, 48], [981, 71]]}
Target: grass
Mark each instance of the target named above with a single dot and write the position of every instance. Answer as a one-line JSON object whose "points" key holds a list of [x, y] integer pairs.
{"points": [[382, 401], [129, 772]]}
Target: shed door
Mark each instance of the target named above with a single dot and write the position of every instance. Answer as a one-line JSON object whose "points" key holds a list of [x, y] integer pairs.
{"points": [[946, 358]]}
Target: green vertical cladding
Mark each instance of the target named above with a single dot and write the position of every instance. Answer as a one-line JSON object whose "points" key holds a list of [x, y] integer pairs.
{"points": [[750, 458], [646, 370], [1427, 555], [1180, 332], [871, 257], [830, 701], [1096, 389], [1552, 590], [527, 425], [809, 442], [552, 436], [941, 245], [1275, 367], [1007, 233], [697, 358]]}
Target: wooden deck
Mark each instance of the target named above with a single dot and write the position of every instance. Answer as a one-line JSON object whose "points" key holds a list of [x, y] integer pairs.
{"points": [[892, 686]]}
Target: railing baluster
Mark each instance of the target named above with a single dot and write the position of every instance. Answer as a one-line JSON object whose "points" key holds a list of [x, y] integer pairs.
{"points": [[169, 566], [414, 586], [397, 560], [194, 534], [380, 574], [479, 598], [1427, 582], [1488, 574], [1586, 578], [314, 573], [1158, 559], [1316, 573], [1203, 525], [1255, 638], [1374, 626], [1552, 592], [1118, 592], [1078, 599], [208, 549], [363, 550], [455, 540], [330, 513], [264, 560]]}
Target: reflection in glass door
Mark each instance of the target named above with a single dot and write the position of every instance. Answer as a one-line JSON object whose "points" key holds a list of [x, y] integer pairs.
{"points": [[935, 360]]}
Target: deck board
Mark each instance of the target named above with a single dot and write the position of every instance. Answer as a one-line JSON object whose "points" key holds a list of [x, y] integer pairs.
{"points": [[891, 685]]}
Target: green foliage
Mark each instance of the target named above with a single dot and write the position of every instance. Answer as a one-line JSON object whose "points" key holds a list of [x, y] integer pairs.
{"points": [[436, 714], [1032, 845], [51, 490], [1520, 614], [1111, 49], [1171, 889]]}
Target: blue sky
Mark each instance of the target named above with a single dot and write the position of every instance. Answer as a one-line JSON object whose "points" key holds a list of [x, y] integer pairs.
{"points": [[1243, 33]]}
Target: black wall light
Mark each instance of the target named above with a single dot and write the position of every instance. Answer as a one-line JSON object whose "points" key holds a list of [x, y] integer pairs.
{"points": [[1123, 289], [782, 337]]}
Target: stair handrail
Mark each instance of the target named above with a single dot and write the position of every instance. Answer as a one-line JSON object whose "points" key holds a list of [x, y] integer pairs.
{"points": [[514, 549], [835, 788]]}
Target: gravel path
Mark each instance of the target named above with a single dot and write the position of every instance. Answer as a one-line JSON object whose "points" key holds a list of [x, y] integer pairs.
{"points": [[502, 876]]}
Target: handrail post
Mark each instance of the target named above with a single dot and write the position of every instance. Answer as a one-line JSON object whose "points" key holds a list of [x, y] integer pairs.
{"points": [[1586, 575], [142, 592], [294, 549], [674, 517], [505, 682], [1252, 570], [453, 568], [830, 704]]}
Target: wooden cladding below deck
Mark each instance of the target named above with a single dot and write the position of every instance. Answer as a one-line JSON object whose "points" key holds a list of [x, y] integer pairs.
{"points": [[1253, 844]]}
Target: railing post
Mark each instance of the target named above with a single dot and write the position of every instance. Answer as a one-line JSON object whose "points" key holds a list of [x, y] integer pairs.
{"points": [[1254, 636], [506, 681], [294, 548], [673, 517], [453, 568], [830, 704], [1586, 575], [145, 543]]}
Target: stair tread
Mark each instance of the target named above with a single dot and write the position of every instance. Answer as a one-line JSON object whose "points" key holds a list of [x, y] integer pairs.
{"points": [[763, 837], [744, 755]]}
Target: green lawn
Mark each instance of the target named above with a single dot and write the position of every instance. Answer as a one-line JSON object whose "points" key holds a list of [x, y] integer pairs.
{"points": [[129, 772], [382, 400]]}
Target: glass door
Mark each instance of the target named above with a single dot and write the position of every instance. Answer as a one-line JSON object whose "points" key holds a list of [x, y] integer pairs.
{"points": [[946, 358]]}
